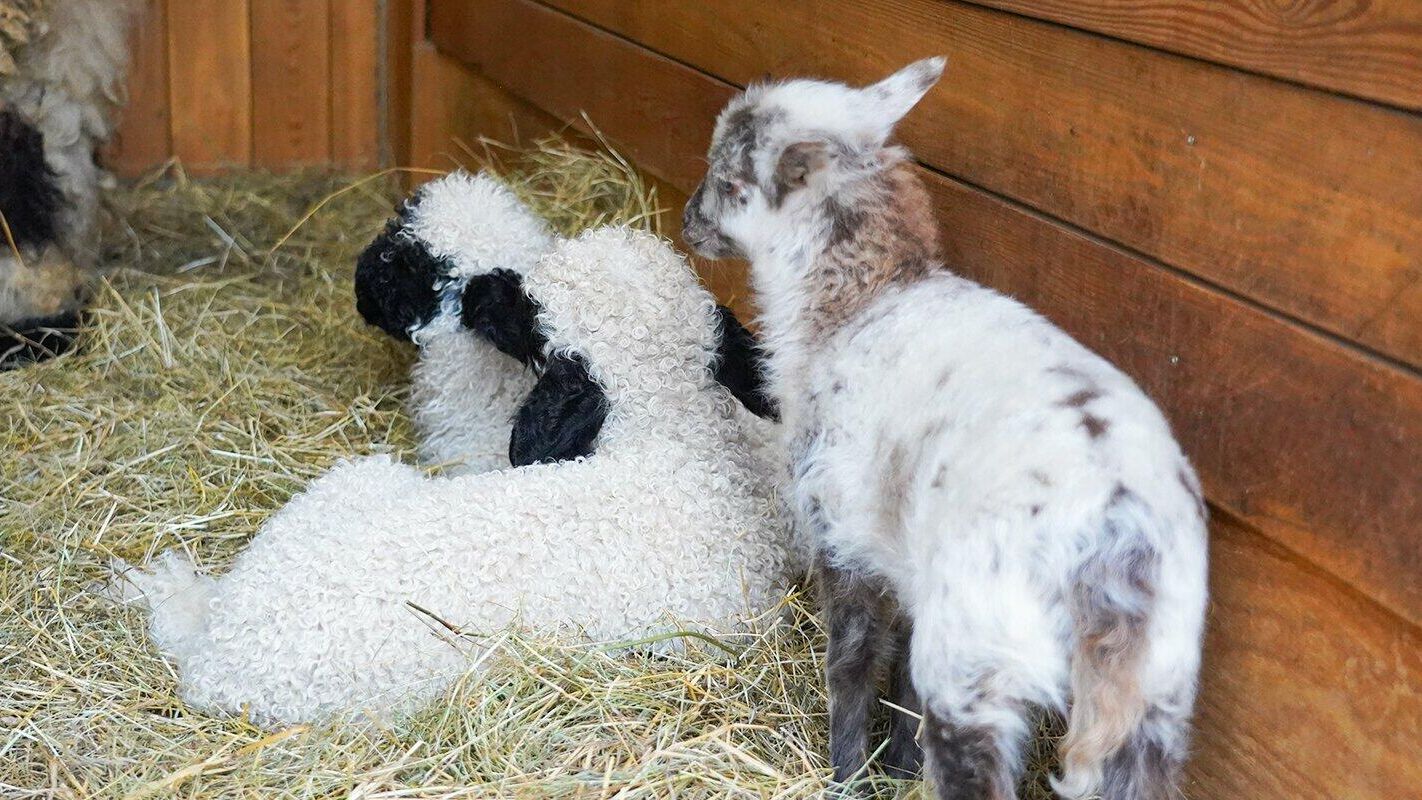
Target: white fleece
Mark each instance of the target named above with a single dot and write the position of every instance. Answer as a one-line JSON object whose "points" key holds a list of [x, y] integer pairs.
{"points": [[673, 519]]}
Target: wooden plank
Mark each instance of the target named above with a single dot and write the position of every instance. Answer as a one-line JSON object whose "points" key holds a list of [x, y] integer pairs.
{"points": [[1309, 202], [291, 83], [143, 140], [1309, 691], [1315, 444], [1371, 49], [399, 38], [355, 71], [210, 87]]}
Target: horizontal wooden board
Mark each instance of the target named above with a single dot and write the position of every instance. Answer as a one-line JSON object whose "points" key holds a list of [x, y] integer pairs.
{"points": [[1367, 48], [1309, 202], [1309, 691], [1317, 445]]}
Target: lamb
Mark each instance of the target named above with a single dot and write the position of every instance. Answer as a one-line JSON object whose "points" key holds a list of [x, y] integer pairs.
{"points": [[667, 512], [59, 90], [958, 460]]}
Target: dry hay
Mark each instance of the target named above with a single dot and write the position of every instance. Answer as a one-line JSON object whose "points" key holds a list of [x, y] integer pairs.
{"points": [[217, 376]]}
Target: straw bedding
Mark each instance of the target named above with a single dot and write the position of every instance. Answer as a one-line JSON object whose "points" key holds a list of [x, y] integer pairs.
{"points": [[223, 367]]}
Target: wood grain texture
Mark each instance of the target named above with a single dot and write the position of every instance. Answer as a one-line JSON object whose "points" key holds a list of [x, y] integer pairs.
{"points": [[1308, 202], [401, 36], [210, 83], [355, 74], [143, 139], [1315, 444], [1367, 48], [1309, 691], [291, 82]]}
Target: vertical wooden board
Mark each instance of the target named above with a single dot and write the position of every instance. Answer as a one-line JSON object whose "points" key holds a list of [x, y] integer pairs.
{"points": [[400, 36], [144, 140], [1308, 691], [210, 83], [291, 83], [355, 88]]}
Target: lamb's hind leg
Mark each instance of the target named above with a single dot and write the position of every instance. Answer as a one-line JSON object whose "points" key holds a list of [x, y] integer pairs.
{"points": [[1127, 733], [858, 633], [903, 758]]}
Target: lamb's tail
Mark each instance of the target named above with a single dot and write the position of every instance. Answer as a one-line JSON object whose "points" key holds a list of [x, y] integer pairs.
{"points": [[175, 594]]}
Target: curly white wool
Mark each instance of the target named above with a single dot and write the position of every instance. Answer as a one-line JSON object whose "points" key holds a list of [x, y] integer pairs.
{"points": [[464, 390], [674, 518]]}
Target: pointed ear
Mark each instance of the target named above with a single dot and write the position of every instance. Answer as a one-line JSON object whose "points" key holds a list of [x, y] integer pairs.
{"points": [[797, 163], [561, 417], [892, 98], [740, 366]]}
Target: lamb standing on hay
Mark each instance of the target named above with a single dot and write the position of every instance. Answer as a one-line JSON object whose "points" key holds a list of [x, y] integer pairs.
{"points": [[62, 65], [1021, 498], [671, 516]]}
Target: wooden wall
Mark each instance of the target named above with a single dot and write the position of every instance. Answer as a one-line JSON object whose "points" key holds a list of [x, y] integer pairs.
{"points": [[1222, 196], [272, 84]]}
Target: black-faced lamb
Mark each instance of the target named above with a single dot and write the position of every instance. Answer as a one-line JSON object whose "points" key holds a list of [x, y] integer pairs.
{"points": [[1018, 498], [59, 89]]}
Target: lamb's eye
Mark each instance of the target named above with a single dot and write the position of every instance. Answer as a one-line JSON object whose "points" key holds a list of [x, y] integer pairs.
{"points": [[728, 189]]}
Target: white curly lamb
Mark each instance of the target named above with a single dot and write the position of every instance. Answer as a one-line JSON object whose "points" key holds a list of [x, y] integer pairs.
{"points": [[673, 516]]}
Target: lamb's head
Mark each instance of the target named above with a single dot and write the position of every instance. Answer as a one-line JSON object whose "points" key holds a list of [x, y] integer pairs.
{"points": [[623, 331], [410, 280], [784, 155]]}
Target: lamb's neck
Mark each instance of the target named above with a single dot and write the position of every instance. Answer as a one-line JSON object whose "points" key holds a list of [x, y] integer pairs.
{"points": [[819, 278]]}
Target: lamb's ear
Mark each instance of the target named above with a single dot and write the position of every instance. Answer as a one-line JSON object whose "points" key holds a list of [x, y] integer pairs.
{"points": [[495, 307], [740, 366], [796, 165], [561, 417], [889, 100]]}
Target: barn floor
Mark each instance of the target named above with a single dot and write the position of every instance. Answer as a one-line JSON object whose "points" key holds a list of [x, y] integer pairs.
{"points": [[223, 368]]}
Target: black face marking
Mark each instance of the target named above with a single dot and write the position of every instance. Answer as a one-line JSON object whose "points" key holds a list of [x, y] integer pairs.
{"points": [[561, 417], [32, 340], [740, 366], [30, 199], [396, 277], [495, 307]]}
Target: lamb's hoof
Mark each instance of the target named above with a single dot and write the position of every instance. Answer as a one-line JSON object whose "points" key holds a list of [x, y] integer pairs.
{"points": [[32, 340]]}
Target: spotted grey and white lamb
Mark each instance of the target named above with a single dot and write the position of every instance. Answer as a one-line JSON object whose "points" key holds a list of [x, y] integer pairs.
{"points": [[960, 461]]}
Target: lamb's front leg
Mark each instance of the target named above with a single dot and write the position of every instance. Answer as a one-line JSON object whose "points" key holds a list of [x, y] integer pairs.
{"points": [[853, 607], [904, 757]]}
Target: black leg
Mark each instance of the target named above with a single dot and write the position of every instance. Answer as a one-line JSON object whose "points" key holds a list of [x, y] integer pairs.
{"points": [[853, 611], [969, 760], [903, 758]]}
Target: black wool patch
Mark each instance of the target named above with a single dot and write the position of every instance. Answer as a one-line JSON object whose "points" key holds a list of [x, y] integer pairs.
{"points": [[38, 339], [740, 366], [395, 280], [561, 417], [495, 307], [29, 194]]}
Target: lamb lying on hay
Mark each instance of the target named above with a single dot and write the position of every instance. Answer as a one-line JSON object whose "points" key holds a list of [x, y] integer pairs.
{"points": [[373, 588], [62, 68]]}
